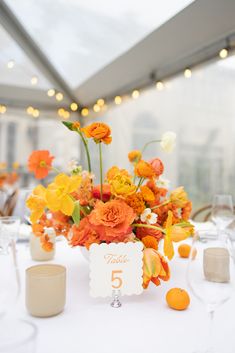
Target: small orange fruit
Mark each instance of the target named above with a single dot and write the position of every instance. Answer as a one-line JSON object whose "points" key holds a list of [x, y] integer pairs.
{"points": [[177, 299], [184, 250]]}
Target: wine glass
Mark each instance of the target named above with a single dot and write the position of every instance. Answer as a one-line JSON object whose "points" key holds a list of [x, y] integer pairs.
{"points": [[211, 277], [9, 273], [222, 213]]}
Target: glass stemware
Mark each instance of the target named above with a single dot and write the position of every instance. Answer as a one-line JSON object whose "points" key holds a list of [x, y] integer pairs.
{"points": [[222, 213], [211, 277]]}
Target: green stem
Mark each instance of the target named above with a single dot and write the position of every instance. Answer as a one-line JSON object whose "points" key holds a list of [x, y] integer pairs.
{"points": [[56, 170], [162, 204], [140, 182], [86, 149], [101, 172], [140, 225]]}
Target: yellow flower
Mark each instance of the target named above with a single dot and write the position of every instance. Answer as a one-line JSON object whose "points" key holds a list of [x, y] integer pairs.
{"points": [[113, 171], [37, 203], [58, 194], [3, 166], [121, 185], [15, 165], [179, 197], [173, 233]]}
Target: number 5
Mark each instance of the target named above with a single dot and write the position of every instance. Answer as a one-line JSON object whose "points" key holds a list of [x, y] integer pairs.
{"points": [[116, 278]]}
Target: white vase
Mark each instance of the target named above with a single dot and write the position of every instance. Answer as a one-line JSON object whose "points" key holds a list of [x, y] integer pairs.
{"points": [[36, 250], [85, 253]]}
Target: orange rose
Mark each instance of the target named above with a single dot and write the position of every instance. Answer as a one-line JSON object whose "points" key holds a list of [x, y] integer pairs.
{"points": [[157, 165], [100, 132], [112, 220], [134, 156], [144, 170]]}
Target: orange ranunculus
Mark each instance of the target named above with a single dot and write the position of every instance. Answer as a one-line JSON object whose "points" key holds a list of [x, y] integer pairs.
{"points": [[144, 170], [113, 171], [100, 132], [144, 231], [84, 234], [147, 193], [155, 268], [112, 220], [157, 165], [186, 211], [106, 189], [150, 242], [136, 202], [122, 186], [134, 156], [40, 162], [179, 197]]}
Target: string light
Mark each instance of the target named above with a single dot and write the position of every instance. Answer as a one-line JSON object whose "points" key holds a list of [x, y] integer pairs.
{"points": [[223, 53], [159, 85], [135, 94], [187, 73], [34, 80], [51, 92], [60, 112], [74, 107], [3, 109], [66, 115], [59, 96], [36, 113], [118, 100], [11, 64], [100, 102], [85, 112], [30, 110], [96, 108]]}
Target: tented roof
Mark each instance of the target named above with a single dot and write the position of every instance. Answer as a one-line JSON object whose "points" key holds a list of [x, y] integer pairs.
{"points": [[91, 49]]}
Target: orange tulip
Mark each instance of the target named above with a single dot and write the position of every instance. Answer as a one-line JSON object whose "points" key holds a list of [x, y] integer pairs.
{"points": [[155, 268]]}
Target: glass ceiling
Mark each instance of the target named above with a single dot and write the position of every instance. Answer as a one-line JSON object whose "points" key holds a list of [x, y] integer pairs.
{"points": [[80, 37], [15, 67]]}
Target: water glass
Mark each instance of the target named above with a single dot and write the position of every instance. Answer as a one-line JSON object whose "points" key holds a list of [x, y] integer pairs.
{"points": [[222, 211]]}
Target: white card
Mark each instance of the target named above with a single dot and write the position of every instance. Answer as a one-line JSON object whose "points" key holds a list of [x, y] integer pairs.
{"points": [[116, 266]]}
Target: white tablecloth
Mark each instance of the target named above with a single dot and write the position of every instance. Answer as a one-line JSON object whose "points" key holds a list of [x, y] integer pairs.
{"points": [[143, 324]]}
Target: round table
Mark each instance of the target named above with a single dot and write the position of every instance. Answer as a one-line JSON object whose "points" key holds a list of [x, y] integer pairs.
{"points": [[144, 323]]}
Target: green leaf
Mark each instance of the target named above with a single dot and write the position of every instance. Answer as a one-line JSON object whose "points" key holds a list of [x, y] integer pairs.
{"points": [[76, 213], [68, 124]]}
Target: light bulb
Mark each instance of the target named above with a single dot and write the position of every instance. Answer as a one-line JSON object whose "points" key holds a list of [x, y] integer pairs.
{"points": [[51, 92], [35, 113], [100, 102], [59, 96], [60, 112], [118, 100], [74, 107], [11, 64], [96, 108], [187, 73], [34, 80], [30, 110], [84, 112], [135, 94], [223, 53], [159, 85], [66, 115], [3, 109]]}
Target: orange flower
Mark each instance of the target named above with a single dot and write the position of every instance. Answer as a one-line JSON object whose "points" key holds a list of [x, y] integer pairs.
{"points": [[112, 220], [84, 193], [147, 193], [38, 229], [46, 244], [75, 126], [106, 192], [155, 267], [157, 165], [179, 197], [40, 162], [186, 211], [150, 242], [143, 232], [112, 172], [84, 234], [134, 156], [100, 132], [136, 202], [144, 170]]}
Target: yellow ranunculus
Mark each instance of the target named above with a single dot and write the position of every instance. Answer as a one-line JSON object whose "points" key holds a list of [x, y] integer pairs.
{"points": [[58, 193], [113, 171], [37, 203], [174, 233], [121, 185], [179, 197]]}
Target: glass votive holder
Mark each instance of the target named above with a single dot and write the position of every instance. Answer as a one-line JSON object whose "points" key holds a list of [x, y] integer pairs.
{"points": [[36, 250], [45, 289]]}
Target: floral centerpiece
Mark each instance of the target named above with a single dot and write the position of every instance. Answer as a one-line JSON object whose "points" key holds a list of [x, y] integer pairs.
{"points": [[122, 208]]}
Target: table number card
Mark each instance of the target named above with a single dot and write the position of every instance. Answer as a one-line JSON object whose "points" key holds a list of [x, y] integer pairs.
{"points": [[116, 266]]}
